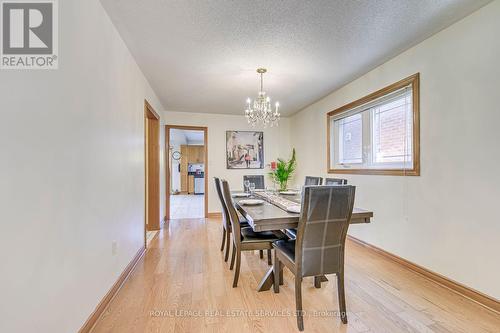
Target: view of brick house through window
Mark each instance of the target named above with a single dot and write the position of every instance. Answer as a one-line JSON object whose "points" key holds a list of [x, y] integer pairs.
{"points": [[378, 134], [351, 149], [392, 137]]}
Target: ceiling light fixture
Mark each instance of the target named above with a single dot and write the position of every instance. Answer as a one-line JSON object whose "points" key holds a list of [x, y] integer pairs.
{"points": [[261, 110]]}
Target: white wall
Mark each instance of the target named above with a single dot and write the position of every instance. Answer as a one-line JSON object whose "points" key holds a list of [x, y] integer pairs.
{"points": [[443, 220], [71, 175], [276, 144]]}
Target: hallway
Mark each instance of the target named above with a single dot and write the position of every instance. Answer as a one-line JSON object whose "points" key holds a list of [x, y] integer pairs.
{"points": [[187, 206]]}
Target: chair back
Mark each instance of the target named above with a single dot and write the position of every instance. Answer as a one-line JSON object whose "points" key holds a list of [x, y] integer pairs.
{"points": [[258, 180], [325, 216], [313, 181], [225, 213], [233, 215], [335, 181]]}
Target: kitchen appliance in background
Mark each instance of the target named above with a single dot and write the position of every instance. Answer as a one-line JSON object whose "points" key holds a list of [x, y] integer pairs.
{"points": [[198, 172], [199, 184], [196, 167]]}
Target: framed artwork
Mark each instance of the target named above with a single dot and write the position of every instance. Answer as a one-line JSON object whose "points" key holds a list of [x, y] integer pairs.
{"points": [[244, 150]]}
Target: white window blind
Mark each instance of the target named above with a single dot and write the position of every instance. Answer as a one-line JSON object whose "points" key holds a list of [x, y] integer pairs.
{"points": [[375, 135]]}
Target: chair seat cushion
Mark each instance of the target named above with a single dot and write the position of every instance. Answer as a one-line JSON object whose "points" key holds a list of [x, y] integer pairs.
{"points": [[287, 247], [243, 222], [250, 236], [292, 233]]}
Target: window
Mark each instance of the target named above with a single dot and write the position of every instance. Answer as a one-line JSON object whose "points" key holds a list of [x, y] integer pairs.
{"points": [[350, 134], [378, 134]]}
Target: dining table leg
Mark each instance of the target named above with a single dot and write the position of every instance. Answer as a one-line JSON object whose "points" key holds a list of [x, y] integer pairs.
{"points": [[268, 280], [318, 279]]}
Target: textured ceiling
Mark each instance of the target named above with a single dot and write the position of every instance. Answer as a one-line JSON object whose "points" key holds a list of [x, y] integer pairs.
{"points": [[201, 56]]}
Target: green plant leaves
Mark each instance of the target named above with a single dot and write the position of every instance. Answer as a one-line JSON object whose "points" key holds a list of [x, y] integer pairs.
{"points": [[284, 169]]}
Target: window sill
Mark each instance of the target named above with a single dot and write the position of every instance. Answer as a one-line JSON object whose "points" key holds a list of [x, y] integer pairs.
{"points": [[382, 172]]}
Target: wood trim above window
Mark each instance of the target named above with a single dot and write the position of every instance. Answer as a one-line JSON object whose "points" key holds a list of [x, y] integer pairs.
{"points": [[414, 80]]}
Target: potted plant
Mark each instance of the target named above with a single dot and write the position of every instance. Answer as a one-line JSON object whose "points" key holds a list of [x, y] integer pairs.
{"points": [[282, 171]]}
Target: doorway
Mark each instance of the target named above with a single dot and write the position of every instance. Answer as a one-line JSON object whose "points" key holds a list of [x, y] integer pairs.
{"points": [[152, 172], [187, 171]]}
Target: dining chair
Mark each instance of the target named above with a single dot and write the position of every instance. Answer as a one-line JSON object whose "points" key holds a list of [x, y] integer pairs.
{"points": [[292, 233], [319, 247], [335, 181], [226, 224], [248, 239], [258, 180], [313, 181]]}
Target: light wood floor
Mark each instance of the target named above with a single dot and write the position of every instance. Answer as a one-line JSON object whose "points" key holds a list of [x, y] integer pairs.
{"points": [[183, 270]]}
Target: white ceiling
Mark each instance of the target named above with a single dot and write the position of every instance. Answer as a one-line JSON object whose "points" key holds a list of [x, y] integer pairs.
{"points": [[190, 136], [201, 56], [194, 137]]}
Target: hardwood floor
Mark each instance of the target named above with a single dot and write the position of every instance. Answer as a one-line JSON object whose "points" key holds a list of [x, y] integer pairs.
{"points": [[183, 275]]}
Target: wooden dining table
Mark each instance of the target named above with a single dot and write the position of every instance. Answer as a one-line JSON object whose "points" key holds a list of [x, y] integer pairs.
{"points": [[273, 216]]}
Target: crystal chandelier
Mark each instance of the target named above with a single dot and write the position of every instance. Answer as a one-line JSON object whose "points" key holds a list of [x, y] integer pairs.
{"points": [[261, 110]]}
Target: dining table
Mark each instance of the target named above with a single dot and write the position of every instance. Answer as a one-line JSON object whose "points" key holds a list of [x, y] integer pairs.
{"points": [[275, 214]]}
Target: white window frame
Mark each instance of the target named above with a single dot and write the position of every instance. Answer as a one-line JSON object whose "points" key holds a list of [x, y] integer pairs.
{"points": [[410, 85]]}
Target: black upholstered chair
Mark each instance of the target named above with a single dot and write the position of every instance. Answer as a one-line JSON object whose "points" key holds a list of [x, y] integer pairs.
{"points": [[313, 181], [292, 233], [244, 238], [335, 181], [258, 180], [226, 224], [320, 243]]}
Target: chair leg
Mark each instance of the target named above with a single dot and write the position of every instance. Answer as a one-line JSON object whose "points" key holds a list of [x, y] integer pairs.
{"points": [[281, 280], [228, 244], [276, 271], [232, 258], [341, 292], [298, 303], [223, 238], [261, 254], [269, 260], [317, 282], [237, 269]]}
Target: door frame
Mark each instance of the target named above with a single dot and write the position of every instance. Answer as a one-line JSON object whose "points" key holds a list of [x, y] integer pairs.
{"points": [[167, 163], [151, 118]]}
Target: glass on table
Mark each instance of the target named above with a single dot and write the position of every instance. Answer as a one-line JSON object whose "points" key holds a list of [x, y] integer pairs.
{"points": [[251, 187], [246, 183], [270, 190]]}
